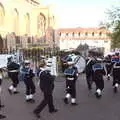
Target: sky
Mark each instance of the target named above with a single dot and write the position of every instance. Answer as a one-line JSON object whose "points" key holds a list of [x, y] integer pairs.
{"points": [[80, 13]]}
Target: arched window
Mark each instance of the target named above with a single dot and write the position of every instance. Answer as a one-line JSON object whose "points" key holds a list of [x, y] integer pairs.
{"points": [[86, 34], [73, 34], [100, 34], [2, 14], [41, 24], [15, 20], [93, 33], [27, 20], [67, 34], [60, 34], [79, 34]]}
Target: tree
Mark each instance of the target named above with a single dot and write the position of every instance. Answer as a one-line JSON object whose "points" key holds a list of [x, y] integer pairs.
{"points": [[82, 47], [113, 23]]}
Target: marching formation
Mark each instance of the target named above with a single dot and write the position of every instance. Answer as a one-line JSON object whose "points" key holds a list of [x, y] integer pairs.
{"points": [[96, 68]]}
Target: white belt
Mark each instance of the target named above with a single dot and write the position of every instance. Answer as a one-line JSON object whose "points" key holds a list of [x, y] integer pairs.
{"points": [[70, 78], [13, 71]]}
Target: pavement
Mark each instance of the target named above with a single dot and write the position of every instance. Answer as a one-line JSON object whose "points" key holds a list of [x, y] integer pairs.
{"points": [[88, 108]]}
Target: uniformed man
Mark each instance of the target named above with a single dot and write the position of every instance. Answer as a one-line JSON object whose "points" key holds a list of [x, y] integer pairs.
{"points": [[116, 71], [108, 65], [88, 70], [98, 73], [13, 71], [46, 86], [27, 74], [71, 75]]}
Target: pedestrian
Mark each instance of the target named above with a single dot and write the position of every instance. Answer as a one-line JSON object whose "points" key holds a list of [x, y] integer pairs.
{"points": [[108, 65], [1, 78], [71, 75], [47, 87], [116, 71], [98, 73], [88, 70], [13, 71], [27, 75]]}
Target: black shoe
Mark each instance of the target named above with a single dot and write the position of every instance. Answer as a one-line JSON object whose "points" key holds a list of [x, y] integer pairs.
{"points": [[98, 96], [66, 101], [74, 104], [10, 91], [115, 90], [89, 87], [27, 100], [2, 116], [32, 100], [108, 78], [37, 115], [53, 111], [16, 92], [2, 106]]}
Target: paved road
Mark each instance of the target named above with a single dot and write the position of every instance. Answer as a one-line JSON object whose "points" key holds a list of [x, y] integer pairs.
{"points": [[89, 108]]}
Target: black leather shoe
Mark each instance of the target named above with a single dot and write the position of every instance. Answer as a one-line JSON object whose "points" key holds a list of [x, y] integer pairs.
{"points": [[115, 90], [53, 111], [36, 114], [74, 104], [98, 96], [10, 91], [31, 100], [2, 116], [16, 92], [2, 106], [66, 101]]}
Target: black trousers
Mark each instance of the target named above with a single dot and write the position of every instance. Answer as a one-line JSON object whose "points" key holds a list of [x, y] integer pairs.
{"points": [[71, 88], [30, 87], [99, 84], [47, 100], [108, 68], [14, 77], [116, 76], [89, 80]]}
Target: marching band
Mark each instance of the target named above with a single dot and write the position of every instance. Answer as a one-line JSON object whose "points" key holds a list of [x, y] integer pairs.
{"points": [[95, 70]]}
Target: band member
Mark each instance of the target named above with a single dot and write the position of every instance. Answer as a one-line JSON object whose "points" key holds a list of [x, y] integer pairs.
{"points": [[1, 78], [13, 71], [98, 73], [108, 65], [71, 74], [116, 71], [27, 74], [46, 86], [88, 70]]}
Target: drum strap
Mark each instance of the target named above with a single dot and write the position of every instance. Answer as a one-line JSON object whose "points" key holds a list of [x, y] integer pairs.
{"points": [[89, 61]]}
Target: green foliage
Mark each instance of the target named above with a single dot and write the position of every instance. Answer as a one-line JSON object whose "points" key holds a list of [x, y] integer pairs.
{"points": [[82, 47], [113, 23]]}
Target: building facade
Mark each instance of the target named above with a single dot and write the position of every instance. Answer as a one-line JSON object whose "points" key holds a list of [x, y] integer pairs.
{"points": [[71, 38], [25, 23]]}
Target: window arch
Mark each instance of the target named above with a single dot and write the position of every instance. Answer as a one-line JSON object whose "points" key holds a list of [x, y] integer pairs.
{"points": [[93, 33], [100, 33], [2, 14], [86, 33], [41, 24], [15, 20], [67, 34], [27, 20], [73, 34], [60, 34]]}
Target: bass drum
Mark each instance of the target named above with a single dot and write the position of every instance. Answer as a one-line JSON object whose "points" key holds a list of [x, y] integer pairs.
{"points": [[80, 63]]}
